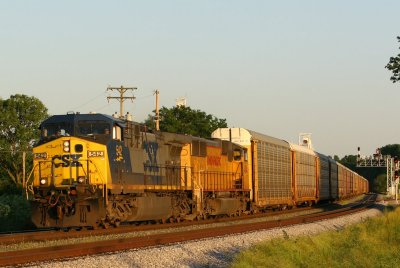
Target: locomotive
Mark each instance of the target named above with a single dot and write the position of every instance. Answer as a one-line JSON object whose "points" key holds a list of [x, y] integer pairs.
{"points": [[97, 170]]}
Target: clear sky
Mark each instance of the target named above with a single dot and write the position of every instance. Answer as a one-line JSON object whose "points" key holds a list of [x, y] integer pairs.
{"points": [[276, 67]]}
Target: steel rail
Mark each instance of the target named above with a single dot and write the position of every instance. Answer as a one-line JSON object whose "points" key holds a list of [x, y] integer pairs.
{"points": [[47, 235], [68, 251]]}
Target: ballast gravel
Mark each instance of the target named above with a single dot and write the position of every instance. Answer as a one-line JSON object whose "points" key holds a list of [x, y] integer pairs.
{"points": [[214, 252]]}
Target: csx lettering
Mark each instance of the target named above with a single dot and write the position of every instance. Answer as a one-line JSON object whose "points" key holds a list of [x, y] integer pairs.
{"points": [[151, 149], [67, 160], [118, 153]]}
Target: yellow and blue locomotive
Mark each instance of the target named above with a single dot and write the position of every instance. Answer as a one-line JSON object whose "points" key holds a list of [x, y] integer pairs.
{"points": [[97, 170]]}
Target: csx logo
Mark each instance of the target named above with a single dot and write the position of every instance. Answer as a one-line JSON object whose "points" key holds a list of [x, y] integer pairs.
{"points": [[67, 160]]}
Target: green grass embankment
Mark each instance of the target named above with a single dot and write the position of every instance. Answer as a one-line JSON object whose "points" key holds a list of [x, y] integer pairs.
{"points": [[373, 243]]}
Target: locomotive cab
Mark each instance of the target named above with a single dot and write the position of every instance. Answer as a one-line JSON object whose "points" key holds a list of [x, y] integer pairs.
{"points": [[100, 130], [71, 173]]}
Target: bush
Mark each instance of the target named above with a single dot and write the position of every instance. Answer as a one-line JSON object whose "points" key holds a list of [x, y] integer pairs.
{"points": [[4, 210], [8, 187], [14, 213]]}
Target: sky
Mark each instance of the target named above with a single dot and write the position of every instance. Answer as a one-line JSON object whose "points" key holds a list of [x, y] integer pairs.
{"points": [[276, 67]]}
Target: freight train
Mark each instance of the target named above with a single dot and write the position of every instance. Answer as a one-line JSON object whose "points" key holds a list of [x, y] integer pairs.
{"points": [[97, 170]]}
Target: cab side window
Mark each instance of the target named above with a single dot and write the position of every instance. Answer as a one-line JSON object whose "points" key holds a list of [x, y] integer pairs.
{"points": [[117, 133], [237, 154]]}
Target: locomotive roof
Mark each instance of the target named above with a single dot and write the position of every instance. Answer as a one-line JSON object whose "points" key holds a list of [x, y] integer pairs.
{"points": [[244, 136], [182, 138], [73, 117]]}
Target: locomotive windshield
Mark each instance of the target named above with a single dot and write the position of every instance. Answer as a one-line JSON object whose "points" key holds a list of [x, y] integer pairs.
{"points": [[93, 127], [53, 130]]}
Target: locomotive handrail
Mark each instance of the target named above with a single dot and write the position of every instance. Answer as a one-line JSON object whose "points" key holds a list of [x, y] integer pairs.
{"points": [[161, 171], [103, 179], [29, 187]]}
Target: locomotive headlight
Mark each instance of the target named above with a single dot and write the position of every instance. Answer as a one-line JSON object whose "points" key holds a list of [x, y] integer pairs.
{"points": [[66, 146], [81, 179], [43, 181]]}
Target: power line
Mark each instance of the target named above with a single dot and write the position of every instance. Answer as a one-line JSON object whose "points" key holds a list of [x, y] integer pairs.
{"points": [[89, 101]]}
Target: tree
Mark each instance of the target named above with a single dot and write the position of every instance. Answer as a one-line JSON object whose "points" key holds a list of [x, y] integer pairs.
{"points": [[380, 183], [20, 117], [184, 120], [349, 161], [394, 66], [391, 149]]}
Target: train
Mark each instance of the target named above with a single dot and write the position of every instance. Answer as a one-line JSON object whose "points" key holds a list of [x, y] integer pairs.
{"points": [[96, 170]]}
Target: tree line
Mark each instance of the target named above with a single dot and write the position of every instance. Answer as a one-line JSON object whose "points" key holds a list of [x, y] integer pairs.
{"points": [[20, 117]]}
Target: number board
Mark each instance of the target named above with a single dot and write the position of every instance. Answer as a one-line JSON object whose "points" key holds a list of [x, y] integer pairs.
{"points": [[40, 155], [95, 153]]}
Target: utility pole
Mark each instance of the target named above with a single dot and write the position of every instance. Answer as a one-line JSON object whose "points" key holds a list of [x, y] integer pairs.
{"points": [[157, 118], [122, 90], [23, 169]]}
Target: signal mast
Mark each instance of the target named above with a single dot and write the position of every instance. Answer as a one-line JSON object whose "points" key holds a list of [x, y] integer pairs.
{"points": [[392, 165]]}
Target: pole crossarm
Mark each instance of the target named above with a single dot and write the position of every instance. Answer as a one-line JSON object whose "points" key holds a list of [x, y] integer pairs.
{"points": [[122, 90]]}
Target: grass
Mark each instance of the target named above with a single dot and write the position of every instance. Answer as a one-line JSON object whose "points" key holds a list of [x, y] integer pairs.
{"points": [[373, 243]]}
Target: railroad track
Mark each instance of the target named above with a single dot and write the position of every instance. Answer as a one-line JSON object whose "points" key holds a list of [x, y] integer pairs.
{"points": [[67, 251], [51, 234]]}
